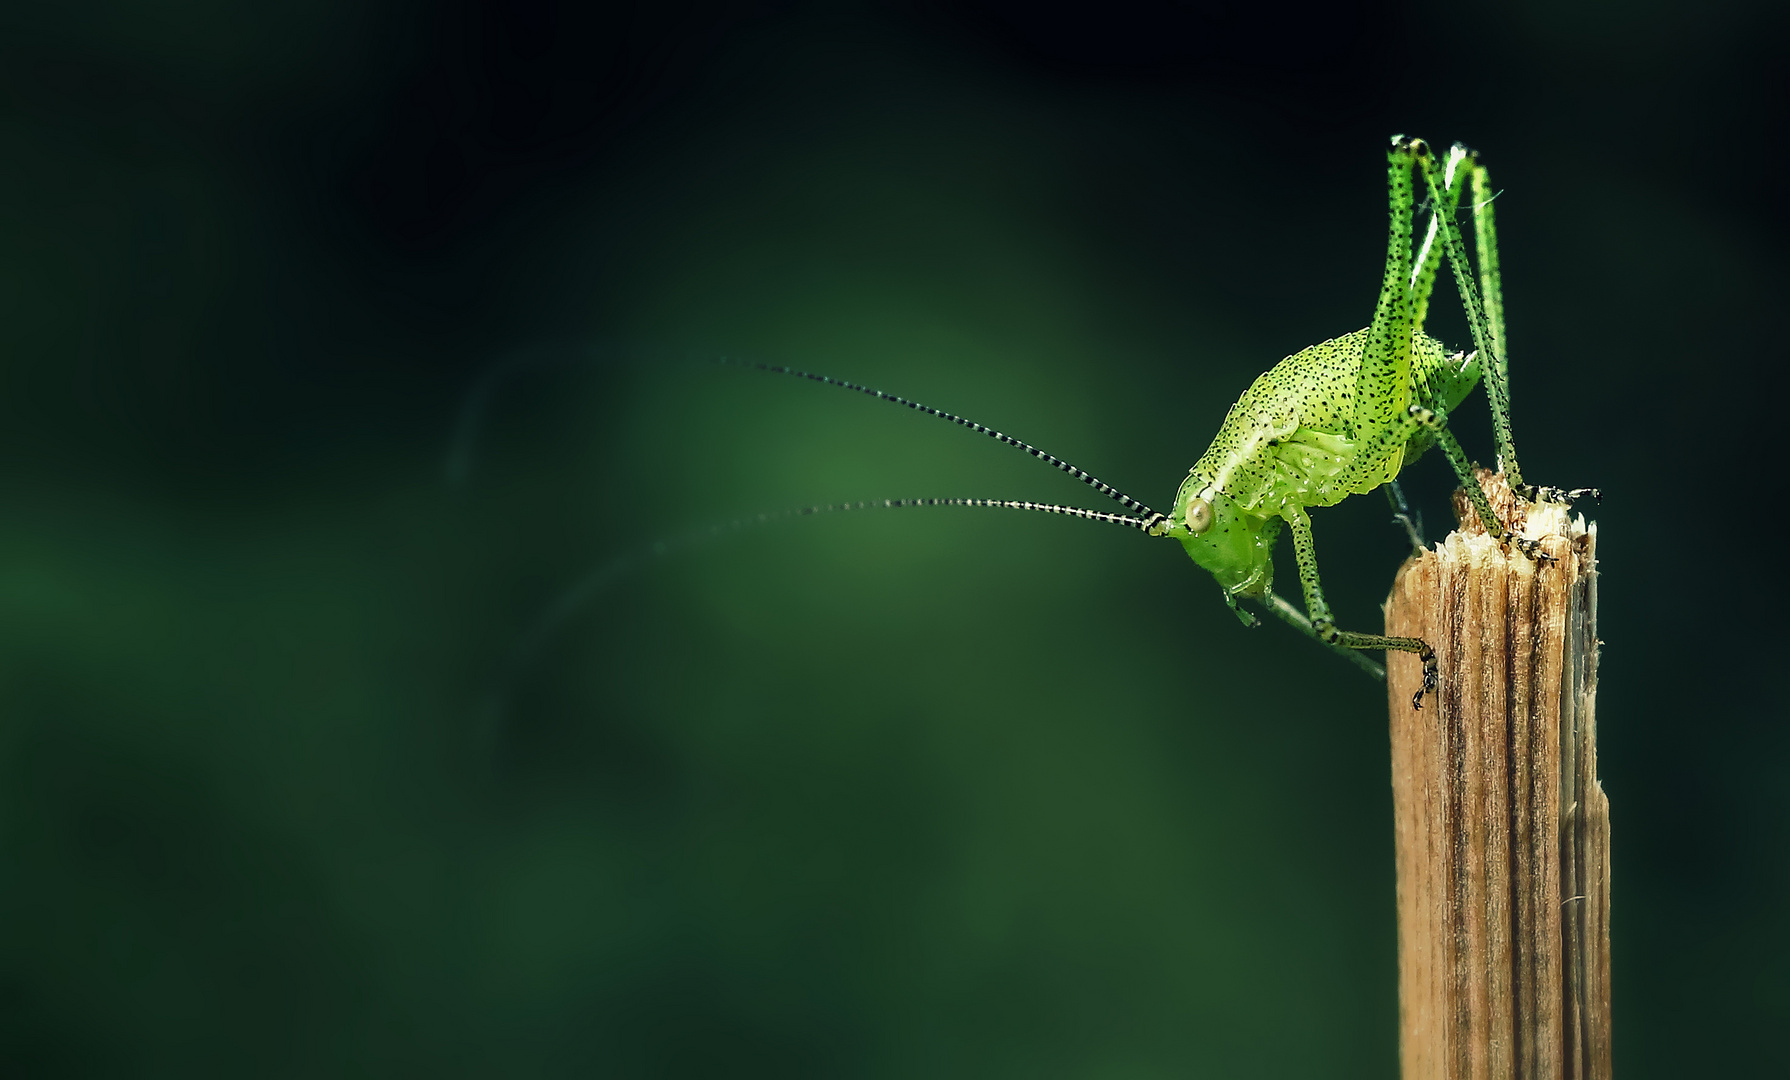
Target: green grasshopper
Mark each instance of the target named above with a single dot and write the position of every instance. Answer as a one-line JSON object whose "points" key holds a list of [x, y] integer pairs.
{"points": [[1337, 419]]}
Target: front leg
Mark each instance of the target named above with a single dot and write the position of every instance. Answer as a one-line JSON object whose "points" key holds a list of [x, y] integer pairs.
{"points": [[1324, 625]]}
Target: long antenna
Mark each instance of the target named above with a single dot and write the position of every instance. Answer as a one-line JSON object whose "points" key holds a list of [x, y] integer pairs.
{"points": [[991, 504], [582, 591], [1150, 517]]}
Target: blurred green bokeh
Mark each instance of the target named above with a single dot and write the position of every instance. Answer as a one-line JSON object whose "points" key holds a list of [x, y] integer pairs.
{"points": [[342, 342]]}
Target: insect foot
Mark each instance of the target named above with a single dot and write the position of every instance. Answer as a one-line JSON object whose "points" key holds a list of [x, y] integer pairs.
{"points": [[1247, 618], [1431, 676], [1564, 495], [1531, 548]]}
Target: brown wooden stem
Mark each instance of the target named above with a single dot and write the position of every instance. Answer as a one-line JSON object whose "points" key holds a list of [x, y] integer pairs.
{"points": [[1502, 828]]}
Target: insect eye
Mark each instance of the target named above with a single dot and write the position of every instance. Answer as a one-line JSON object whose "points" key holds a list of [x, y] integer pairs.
{"points": [[1199, 516]]}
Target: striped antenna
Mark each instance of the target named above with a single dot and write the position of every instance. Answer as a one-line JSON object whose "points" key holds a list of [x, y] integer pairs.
{"points": [[573, 599], [1149, 518], [1139, 523], [711, 532]]}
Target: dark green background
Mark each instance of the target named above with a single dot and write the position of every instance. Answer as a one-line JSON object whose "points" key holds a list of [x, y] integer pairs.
{"points": [[922, 793]]}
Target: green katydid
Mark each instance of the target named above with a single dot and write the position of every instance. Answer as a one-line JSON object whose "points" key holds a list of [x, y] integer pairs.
{"points": [[1337, 419]]}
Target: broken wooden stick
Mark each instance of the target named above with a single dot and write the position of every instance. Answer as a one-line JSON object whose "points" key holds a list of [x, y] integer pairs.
{"points": [[1503, 837]]}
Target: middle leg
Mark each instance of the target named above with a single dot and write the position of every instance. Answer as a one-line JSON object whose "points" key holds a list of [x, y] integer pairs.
{"points": [[1403, 517]]}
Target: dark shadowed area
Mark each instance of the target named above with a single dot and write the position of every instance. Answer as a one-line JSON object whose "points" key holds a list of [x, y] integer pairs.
{"points": [[345, 345]]}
